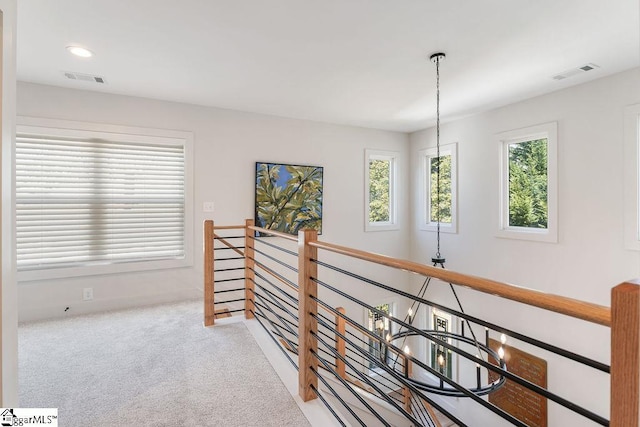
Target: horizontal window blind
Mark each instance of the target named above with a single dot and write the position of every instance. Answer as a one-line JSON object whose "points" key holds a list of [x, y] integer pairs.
{"points": [[85, 201]]}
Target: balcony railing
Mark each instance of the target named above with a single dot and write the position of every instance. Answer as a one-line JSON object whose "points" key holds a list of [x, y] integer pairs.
{"points": [[377, 352]]}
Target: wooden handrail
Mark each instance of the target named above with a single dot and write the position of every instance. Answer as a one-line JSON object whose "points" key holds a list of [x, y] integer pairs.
{"points": [[275, 233], [268, 270], [228, 227], [568, 306], [623, 317]]}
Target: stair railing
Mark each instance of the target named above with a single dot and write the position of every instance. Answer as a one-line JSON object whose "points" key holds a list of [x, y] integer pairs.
{"points": [[304, 304]]}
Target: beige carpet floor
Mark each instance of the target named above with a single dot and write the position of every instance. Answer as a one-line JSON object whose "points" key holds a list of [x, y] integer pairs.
{"points": [[155, 366]]}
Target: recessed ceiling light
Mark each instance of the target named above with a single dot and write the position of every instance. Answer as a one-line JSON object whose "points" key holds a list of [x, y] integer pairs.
{"points": [[80, 51]]}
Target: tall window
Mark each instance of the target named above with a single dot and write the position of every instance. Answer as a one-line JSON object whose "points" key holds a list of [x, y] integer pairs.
{"points": [[441, 357], [92, 199], [529, 183], [380, 326], [380, 190], [632, 177], [439, 173]]}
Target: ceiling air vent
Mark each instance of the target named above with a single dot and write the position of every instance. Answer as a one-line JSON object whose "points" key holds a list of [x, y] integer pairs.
{"points": [[84, 77], [575, 71]]}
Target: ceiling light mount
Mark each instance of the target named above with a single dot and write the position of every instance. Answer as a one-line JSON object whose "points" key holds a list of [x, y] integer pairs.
{"points": [[437, 57]]}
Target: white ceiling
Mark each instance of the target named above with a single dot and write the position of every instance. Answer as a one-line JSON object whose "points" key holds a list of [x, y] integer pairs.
{"points": [[356, 62]]}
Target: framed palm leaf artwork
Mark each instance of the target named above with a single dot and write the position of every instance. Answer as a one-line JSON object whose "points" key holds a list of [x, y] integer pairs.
{"points": [[288, 197]]}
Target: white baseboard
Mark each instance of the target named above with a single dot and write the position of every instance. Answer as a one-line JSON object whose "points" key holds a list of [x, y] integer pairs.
{"points": [[29, 314]]}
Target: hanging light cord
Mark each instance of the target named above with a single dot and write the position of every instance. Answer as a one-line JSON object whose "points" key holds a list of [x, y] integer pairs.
{"points": [[438, 155], [437, 259]]}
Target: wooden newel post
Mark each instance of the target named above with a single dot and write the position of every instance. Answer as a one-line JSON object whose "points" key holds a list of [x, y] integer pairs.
{"points": [[625, 355], [249, 276], [340, 343], [209, 309], [307, 309]]}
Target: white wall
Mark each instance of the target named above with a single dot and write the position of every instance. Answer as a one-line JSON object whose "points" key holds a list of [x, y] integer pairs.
{"points": [[9, 291], [227, 145], [586, 262], [590, 256]]}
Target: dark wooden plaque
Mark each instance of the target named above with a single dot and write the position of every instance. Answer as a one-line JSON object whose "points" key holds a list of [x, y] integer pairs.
{"points": [[522, 403]]}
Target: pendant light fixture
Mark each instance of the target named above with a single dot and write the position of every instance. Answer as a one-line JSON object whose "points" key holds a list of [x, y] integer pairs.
{"points": [[439, 361]]}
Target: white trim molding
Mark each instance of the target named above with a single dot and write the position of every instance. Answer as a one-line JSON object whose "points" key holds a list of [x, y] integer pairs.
{"points": [[393, 158], [425, 157], [128, 186], [548, 131]]}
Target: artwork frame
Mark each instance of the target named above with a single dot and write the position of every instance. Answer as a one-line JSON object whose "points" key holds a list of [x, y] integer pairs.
{"points": [[288, 197]]}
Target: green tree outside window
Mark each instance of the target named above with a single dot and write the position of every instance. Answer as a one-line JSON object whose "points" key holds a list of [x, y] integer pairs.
{"points": [[528, 184], [444, 162], [379, 190]]}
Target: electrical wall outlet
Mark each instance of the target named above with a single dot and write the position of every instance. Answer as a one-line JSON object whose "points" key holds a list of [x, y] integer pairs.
{"points": [[207, 207], [87, 294]]}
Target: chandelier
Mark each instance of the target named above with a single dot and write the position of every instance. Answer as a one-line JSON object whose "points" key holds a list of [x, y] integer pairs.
{"points": [[440, 353]]}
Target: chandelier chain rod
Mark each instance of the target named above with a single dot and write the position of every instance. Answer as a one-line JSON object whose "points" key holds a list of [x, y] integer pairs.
{"points": [[438, 213]]}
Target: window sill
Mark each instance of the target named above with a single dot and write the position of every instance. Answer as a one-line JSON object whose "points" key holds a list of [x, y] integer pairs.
{"points": [[381, 227], [534, 235], [102, 269]]}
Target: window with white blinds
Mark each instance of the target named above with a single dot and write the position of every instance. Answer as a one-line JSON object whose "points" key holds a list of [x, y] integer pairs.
{"points": [[90, 202]]}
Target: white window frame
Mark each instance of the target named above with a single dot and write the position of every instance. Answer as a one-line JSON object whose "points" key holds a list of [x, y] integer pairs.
{"points": [[425, 157], [65, 128], [453, 328], [632, 177], [550, 132], [392, 314], [392, 157]]}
